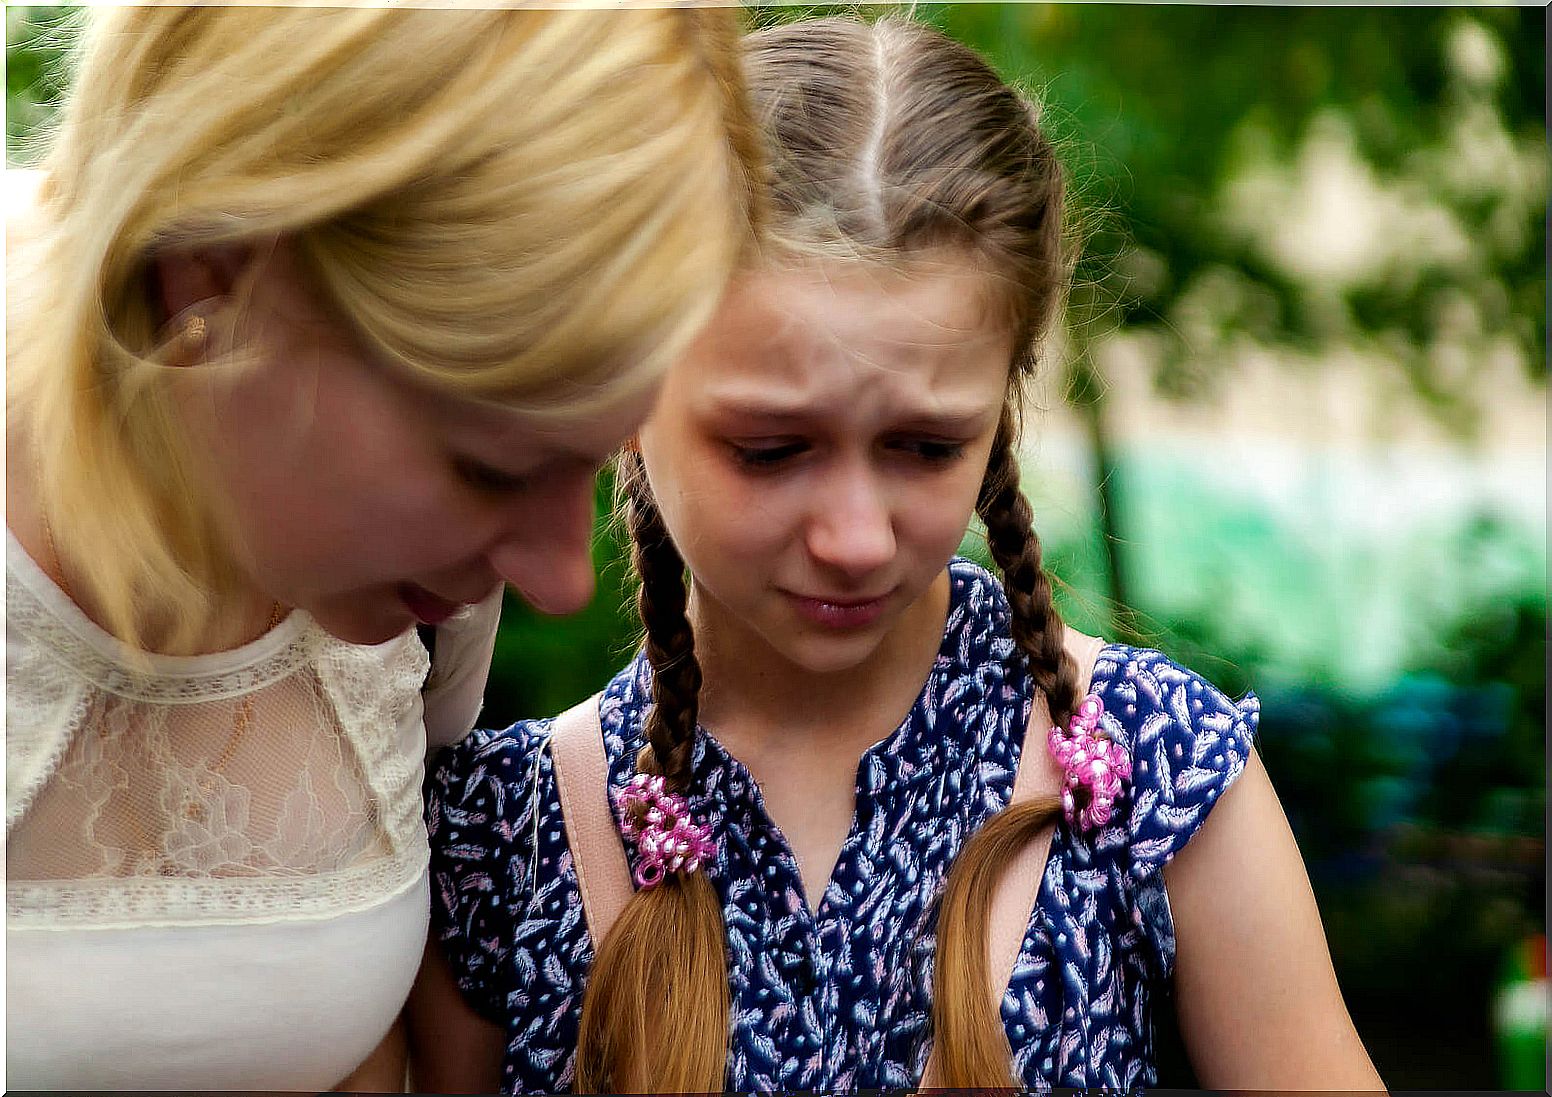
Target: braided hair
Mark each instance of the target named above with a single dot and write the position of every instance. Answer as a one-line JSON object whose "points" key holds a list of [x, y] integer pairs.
{"points": [[654, 1018], [966, 1025]]}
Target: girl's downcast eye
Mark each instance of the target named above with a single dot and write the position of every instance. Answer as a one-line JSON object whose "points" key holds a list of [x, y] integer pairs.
{"points": [[767, 456], [931, 450]]}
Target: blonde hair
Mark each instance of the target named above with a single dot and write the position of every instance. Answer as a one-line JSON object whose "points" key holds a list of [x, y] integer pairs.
{"points": [[532, 207], [887, 140]]}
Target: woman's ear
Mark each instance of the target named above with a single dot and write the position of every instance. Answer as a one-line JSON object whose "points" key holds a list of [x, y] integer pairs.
{"points": [[190, 277]]}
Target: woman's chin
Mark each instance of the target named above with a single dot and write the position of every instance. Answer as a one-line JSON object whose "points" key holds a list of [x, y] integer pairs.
{"points": [[367, 627]]}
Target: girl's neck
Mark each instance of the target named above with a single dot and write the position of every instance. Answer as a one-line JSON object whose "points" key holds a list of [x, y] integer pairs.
{"points": [[801, 734], [755, 701]]}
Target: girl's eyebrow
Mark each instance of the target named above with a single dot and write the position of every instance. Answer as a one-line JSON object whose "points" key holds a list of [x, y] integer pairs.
{"points": [[742, 408], [952, 421], [947, 419]]}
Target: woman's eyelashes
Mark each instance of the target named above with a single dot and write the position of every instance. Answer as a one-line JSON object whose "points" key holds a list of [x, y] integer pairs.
{"points": [[486, 479]]}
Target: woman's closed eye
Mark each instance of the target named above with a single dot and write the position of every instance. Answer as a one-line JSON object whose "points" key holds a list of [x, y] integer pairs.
{"points": [[487, 479]]}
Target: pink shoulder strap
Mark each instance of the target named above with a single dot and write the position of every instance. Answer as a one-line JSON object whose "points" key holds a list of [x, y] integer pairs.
{"points": [[597, 850], [1019, 888]]}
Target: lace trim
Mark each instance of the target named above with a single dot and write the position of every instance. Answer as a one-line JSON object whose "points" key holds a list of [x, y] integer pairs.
{"points": [[43, 624], [45, 702], [142, 902], [352, 676], [58, 669]]}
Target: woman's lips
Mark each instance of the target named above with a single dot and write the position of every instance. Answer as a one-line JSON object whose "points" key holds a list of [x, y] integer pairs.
{"points": [[839, 613], [428, 608]]}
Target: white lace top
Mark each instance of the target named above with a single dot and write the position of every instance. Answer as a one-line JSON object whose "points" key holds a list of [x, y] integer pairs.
{"points": [[215, 864]]}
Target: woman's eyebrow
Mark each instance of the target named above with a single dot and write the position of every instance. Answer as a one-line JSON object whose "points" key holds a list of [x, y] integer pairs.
{"points": [[494, 441]]}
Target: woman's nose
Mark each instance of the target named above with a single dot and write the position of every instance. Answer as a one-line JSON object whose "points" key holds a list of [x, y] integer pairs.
{"points": [[546, 549]]}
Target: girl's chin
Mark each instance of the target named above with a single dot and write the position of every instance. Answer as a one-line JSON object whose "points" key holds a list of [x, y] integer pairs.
{"points": [[829, 654]]}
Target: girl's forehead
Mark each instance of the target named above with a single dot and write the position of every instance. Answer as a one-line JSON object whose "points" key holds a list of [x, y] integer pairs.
{"points": [[929, 333]]}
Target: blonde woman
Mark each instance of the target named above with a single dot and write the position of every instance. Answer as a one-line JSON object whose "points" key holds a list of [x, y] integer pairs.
{"points": [[318, 331]]}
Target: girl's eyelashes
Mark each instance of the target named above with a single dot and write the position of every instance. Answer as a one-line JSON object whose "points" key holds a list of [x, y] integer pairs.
{"points": [[768, 455], [935, 451], [484, 478]]}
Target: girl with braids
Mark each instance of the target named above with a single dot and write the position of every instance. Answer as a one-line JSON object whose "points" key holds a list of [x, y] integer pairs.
{"points": [[874, 818]]}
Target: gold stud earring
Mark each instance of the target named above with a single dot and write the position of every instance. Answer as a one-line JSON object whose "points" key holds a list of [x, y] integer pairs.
{"points": [[194, 333]]}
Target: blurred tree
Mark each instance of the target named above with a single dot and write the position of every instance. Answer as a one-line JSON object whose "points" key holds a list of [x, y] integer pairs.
{"points": [[1299, 177], [37, 45]]}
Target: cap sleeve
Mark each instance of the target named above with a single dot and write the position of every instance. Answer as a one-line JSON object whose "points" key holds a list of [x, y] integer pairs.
{"points": [[1189, 742], [460, 664], [480, 803]]}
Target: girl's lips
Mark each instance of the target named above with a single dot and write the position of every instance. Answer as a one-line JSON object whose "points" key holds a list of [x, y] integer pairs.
{"points": [[428, 608], [839, 613]]}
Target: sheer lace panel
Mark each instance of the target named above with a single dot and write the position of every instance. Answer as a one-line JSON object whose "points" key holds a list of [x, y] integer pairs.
{"points": [[281, 784]]}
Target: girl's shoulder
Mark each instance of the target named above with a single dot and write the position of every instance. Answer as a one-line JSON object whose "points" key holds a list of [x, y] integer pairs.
{"points": [[506, 904], [1147, 694], [1187, 740], [515, 760], [494, 878], [485, 776]]}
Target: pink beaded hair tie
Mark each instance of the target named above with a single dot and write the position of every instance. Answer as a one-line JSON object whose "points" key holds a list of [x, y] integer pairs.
{"points": [[1094, 764], [658, 822]]}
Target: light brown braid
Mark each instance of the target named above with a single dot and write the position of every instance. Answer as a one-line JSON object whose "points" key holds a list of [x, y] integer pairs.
{"points": [[966, 1023], [1010, 534], [655, 1013], [661, 602]]}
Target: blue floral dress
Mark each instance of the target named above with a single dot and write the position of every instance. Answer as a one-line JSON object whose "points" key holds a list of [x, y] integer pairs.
{"points": [[838, 1000]]}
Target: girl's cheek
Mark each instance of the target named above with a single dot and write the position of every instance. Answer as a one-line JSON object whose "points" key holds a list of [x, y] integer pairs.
{"points": [[766, 517]]}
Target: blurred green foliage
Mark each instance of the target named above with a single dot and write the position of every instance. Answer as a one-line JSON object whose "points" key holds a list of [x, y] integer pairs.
{"points": [[37, 47], [1160, 107]]}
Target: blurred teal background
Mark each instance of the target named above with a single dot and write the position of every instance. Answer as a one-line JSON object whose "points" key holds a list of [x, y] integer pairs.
{"points": [[1294, 434]]}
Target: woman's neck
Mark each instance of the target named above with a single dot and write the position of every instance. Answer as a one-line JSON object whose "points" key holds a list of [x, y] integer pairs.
{"points": [[244, 616]]}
